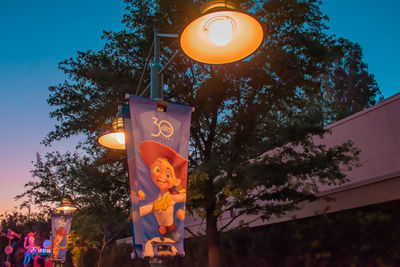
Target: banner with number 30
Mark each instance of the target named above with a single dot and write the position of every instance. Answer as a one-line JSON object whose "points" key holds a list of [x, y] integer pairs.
{"points": [[157, 142]]}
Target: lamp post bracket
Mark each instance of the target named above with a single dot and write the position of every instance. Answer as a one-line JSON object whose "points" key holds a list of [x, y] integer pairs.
{"points": [[169, 35], [145, 89], [168, 63]]}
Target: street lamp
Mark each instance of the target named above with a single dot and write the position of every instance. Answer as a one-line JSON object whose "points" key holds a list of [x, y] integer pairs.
{"points": [[66, 206], [222, 34]]}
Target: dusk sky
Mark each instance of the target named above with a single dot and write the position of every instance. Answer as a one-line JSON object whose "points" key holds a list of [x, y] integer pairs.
{"points": [[36, 35]]}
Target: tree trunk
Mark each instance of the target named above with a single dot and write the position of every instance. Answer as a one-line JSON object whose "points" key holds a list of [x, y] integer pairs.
{"points": [[101, 251], [214, 253], [100, 258]]}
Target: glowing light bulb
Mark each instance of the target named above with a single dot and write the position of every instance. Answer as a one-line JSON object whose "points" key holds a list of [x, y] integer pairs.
{"points": [[220, 30], [120, 138]]}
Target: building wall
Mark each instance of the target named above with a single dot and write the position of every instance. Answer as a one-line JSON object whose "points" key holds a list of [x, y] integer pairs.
{"points": [[376, 132]]}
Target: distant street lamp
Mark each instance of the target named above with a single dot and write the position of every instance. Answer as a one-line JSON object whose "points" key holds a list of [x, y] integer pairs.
{"points": [[222, 34], [66, 205]]}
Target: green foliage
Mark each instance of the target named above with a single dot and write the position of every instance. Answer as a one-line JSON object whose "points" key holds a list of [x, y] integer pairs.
{"points": [[89, 180], [99, 190], [78, 247], [252, 147], [351, 87], [367, 236], [274, 100], [22, 223], [120, 256]]}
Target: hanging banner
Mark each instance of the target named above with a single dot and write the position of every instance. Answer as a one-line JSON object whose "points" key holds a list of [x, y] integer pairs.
{"points": [[60, 226], [157, 142]]}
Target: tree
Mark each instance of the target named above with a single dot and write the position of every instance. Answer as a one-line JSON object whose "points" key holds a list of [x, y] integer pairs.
{"points": [[351, 87], [252, 149], [99, 190]]}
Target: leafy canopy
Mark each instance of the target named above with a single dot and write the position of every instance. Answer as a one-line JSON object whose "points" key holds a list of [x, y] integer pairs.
{"points": [[252, 147]]}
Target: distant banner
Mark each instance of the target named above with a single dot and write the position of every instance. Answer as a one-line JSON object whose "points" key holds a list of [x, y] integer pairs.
{"points": [[157, 142], [60, 225]]}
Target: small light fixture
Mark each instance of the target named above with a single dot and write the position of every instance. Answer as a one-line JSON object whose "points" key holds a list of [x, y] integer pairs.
{"points": [[66, 206], [222, 34], [115, 139]]}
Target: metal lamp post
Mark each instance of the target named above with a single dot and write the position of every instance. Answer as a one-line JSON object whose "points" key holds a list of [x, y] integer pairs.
{"points": [[156, 81]]}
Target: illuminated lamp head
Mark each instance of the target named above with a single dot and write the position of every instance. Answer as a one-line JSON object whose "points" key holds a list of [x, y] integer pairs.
{"points": [[222, 34], [66, 205], [116, 138]]}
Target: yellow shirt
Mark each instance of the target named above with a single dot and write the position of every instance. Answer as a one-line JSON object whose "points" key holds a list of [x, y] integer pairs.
{"points": [[164, 202]]}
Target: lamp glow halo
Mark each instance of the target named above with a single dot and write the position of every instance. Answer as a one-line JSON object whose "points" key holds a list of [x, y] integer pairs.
{"points": [[112, 140], [247, 36]]}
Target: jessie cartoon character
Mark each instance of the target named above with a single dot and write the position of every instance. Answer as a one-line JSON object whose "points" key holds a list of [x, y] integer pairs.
{"points": [[60, 234], [168, 172]]}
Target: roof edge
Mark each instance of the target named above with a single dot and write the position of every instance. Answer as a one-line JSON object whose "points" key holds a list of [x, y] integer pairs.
{"points": [[384, 102]]}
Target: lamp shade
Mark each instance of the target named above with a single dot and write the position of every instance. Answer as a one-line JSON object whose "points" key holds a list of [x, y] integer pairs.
{"points": [[115, 139], [221, 35], [66, 206]]}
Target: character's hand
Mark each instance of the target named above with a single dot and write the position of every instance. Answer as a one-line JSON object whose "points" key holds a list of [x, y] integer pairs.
{"points": [[141, 195], [180, 214]]}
